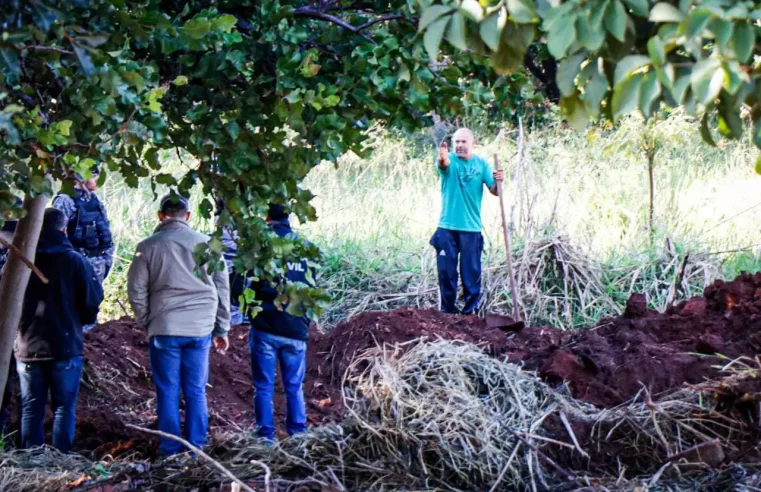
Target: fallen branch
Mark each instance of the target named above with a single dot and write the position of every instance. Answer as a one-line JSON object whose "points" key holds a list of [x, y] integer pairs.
{"points": [[208, 458], [26, 260]]}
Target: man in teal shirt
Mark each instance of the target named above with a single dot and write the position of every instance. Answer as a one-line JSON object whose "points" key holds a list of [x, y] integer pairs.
{"points": [[463, 176]]}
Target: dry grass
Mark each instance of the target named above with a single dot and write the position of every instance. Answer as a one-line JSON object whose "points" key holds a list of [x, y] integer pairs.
{"points": [[446, 416]]}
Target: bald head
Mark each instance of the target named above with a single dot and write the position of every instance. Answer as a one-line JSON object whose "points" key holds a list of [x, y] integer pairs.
{"points": [[463, 141]]}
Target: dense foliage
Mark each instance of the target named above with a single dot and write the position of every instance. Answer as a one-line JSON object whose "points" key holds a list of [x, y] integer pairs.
{"points": [[258, 92], [618, 56]]}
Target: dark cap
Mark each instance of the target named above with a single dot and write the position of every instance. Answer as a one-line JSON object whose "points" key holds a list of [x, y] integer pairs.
{"points": [[174, 203]]}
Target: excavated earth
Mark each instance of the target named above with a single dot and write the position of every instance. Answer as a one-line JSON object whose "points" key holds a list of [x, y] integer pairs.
{"points": [[604, 365]]}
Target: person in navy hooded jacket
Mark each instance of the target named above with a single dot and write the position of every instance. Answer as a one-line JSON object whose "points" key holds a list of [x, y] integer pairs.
{"points": [[50, 340], [279, 337]]}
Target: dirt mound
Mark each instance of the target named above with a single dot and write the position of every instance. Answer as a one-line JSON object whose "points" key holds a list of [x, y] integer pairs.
{"points": [[604, 365], [608, 364]]}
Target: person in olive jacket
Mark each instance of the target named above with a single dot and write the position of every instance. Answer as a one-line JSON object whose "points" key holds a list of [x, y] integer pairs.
{"points": [[48, 347]]}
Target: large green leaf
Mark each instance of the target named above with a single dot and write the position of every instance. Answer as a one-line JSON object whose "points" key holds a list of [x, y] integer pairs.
{"points": [[84, 59], [626, 96], [696, 22], [456, 32], [432, 13], [705, 131], [650, 91], [757, 135], [665, 12], [197, 28], [679, 90], [707, 80], [615, 19], [433, 35], [744, 41], [568, 69], [522, 11], [515, 40], [591, 36], [224, 23], [9, 60], [472, 9], [595, 91], [656, 50], [490, 31], [560, 39], [575, 112], [722, 30], [628, 65]]}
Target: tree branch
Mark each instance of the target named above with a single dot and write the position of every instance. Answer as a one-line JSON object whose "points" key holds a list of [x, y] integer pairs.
{"points": [[321, 14], [26, 261], [208, 458], [380, 19], [46, 48]]}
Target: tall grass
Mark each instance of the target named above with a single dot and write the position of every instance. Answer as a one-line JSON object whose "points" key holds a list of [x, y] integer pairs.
{"points": [[578, 205]]}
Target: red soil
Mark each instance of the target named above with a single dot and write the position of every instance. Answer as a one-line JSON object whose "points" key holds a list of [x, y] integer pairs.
{"points": [[604, 365]]}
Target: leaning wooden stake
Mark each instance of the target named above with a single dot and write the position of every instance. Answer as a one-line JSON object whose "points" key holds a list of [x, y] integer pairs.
{"points": [[509, 250]]}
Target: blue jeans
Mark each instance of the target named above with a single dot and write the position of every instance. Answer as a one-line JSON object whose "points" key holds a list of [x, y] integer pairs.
{"points": [[468, 246], [181, 363], [7, 396], [266, 351], [60, 378]]}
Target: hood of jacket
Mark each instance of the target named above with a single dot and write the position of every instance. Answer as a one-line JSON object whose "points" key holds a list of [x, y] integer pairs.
{"points": [[52, 242]]}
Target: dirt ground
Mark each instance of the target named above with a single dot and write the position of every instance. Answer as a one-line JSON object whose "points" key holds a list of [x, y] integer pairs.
{"points": [[604, 365]]}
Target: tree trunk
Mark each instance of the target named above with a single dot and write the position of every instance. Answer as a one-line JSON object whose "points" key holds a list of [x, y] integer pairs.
{"points": [[15, 280], [650, 166]]}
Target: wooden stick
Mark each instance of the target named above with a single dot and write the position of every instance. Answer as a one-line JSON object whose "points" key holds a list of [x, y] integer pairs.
{"points": [[212, 461], [513, 287], [25, 260]]}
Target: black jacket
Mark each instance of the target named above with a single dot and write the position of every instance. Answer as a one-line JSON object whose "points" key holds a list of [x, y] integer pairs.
{"points": [[53, 315], [271, 319]]}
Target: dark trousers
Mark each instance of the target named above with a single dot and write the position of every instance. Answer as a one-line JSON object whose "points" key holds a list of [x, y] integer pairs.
{"points": [[7, 395], [60, 378], [465, 247]]}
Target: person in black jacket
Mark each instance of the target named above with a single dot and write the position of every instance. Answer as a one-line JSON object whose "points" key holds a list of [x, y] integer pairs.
{"points": [[277, 336], [48, 346]]}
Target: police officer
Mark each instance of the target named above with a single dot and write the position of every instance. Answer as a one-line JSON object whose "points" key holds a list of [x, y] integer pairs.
{"points": [[88, 228], [238, 281]]}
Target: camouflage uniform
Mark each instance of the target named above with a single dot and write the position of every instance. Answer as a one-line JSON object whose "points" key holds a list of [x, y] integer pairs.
{"points": [[230, 242], [101, 263]]}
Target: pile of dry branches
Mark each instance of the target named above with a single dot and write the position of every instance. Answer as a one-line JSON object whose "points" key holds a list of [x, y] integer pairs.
{"points": [[446, 416]]}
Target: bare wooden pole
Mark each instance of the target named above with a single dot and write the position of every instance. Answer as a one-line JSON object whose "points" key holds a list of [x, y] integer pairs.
{"points": [[508, 248]]}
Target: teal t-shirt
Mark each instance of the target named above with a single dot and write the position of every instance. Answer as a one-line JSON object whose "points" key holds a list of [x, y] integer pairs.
{"points": [[462, 189]]}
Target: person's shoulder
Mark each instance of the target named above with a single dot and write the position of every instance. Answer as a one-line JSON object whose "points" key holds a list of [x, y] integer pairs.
{"points": [[62, 198], [74, 257], [481, 160]]}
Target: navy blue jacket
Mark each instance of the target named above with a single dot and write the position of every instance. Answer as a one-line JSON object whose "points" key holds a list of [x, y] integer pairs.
{"points": [[271, 319], [53, 314]]}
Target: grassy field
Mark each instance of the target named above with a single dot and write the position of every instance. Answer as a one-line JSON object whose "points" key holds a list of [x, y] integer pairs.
{"points": [[577, 202]]}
